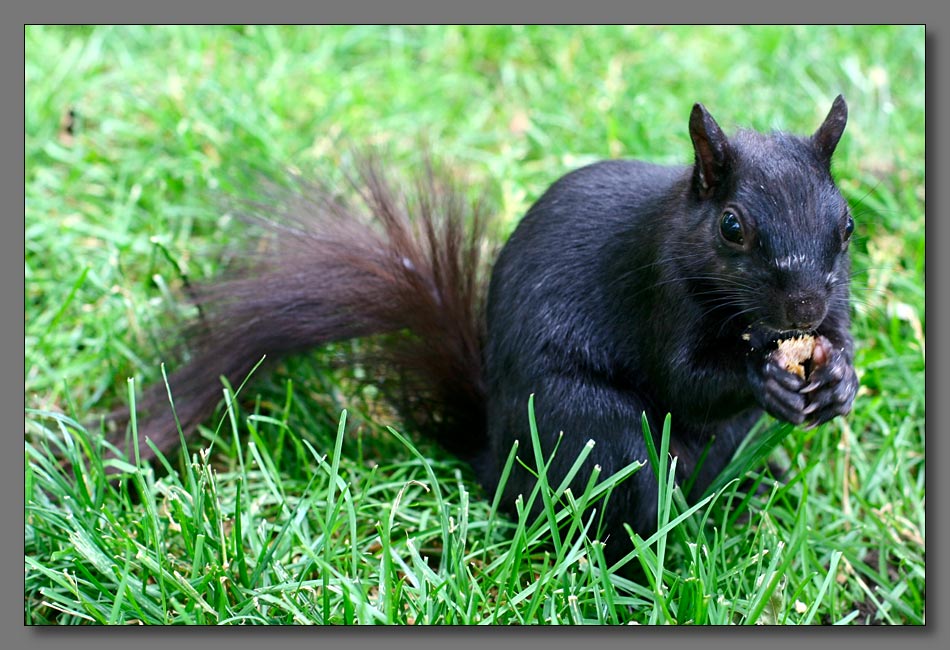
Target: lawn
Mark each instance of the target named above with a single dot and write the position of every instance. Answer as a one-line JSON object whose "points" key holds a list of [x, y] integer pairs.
{"points": [[304, 501]]}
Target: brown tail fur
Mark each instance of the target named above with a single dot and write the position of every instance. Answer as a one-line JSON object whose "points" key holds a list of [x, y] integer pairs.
{"points": [[409, 269]]}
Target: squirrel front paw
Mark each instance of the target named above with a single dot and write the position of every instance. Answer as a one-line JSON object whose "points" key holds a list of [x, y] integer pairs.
{"points": [[777, 390], [832, 384], [827, 391]]}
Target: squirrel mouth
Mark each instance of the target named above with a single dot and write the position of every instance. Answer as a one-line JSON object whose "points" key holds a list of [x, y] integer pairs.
{"points": [[792, 333], [766, 336]]}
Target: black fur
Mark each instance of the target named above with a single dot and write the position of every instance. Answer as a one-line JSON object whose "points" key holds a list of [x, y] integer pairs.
{"points": [[627, 288]]}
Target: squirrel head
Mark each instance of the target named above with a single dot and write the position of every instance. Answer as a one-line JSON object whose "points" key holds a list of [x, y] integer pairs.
{"points": [[776, 223]]}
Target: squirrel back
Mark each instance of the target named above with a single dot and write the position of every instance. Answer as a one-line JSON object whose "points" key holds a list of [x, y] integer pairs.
{"points": [[628, 288]]}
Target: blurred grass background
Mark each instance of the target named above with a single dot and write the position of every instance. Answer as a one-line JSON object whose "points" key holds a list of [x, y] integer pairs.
{"points": [[132, 134]]}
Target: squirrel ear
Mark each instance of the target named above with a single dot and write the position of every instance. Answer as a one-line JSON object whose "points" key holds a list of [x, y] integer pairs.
{"points": [[827, 136], [713, 152]]}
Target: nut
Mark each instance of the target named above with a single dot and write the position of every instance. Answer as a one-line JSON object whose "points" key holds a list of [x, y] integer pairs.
{"points": [[795, 353]]}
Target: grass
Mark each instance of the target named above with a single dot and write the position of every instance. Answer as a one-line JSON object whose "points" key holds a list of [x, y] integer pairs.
{"points": [[308, 504]]}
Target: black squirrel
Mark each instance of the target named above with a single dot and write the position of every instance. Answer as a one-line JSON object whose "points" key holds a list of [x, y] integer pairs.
{"points": [[627, 288]]}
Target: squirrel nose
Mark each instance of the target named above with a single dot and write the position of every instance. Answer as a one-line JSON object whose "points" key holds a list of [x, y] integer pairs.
{"points": [[804, 311]]}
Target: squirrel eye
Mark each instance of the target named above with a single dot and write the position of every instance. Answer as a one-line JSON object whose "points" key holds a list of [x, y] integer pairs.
{"points": [[731, 228], [848, 228]]}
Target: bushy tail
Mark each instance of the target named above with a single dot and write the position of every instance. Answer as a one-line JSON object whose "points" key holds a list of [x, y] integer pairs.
{"points": [[409, 268]]}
